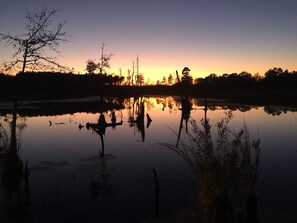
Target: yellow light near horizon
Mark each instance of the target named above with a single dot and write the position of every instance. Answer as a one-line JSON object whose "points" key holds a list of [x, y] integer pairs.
{"points": [[154, 69]]}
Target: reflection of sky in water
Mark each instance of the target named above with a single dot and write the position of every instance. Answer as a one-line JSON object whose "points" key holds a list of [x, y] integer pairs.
{"points": [[133, 160]]}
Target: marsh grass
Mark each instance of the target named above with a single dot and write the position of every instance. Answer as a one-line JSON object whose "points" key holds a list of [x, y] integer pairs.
{"points": [[222, 166], [4, 138]]}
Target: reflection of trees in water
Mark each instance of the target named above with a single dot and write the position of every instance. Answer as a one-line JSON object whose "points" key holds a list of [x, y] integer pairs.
{"points": [[137, 116], [186, 107], [173, 104], [101, 174], [100, 128], [277, 110], [213, 104], [14, 176], [176, 103], [225, 172], [242, 108], [66, 106], [151, 102], [98, 164]]}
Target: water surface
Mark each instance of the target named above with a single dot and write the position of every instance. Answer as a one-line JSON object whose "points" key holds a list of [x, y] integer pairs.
{"points": [[80, 172]]}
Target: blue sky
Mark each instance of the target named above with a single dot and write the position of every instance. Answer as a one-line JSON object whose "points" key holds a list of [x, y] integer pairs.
{"points": [[211, 36]]}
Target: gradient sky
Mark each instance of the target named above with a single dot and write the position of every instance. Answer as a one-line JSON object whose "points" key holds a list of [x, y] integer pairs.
{"points": [[208, 36]]}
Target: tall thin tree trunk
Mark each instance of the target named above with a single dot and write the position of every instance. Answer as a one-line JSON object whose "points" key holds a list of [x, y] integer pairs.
{"points": [[25, 59], [133, 74]]}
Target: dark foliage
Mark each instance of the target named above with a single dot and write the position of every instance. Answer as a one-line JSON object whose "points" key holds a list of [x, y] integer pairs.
{"points": [[277, 87], [48, 85], [274, 78]]}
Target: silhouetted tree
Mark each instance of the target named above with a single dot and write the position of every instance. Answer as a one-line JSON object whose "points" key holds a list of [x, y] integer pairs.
{"points": [[257, 77], [163, 80], [91, 66], [117, 80], [128, 79], [246, 75], [186, 75], [170, 79], [34, 45], [133, 72], [104, 64], [139, 79], [197, 80], [212, 76], [273, 72]]}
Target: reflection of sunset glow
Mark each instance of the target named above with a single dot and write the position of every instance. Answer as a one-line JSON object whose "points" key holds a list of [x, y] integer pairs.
{"points": [[161, 110], [63, 154]]}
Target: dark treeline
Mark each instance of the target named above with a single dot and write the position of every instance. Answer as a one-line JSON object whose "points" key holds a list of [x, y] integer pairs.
{"points": [[36, 85], [274, 78], [276, 87], [51, 85]]}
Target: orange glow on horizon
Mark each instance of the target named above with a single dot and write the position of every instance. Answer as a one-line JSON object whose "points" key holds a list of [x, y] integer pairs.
{"points": [[156, 73], [154, 67]]}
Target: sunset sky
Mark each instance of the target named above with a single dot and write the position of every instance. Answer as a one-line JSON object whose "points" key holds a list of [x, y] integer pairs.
{"points": [[208, 36]]}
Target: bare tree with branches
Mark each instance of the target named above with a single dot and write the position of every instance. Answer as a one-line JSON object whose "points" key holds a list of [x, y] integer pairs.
{"points": [[104, 64], [32, 49]]}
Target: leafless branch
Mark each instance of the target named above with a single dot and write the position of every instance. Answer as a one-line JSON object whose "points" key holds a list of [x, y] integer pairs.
{"points": [[41, 37]]}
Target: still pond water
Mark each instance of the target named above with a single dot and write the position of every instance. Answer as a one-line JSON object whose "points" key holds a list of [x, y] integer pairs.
{"points": [[75, 170]]}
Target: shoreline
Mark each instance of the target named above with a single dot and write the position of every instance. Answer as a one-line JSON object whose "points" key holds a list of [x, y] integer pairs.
{"points": [[95, 104]]}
